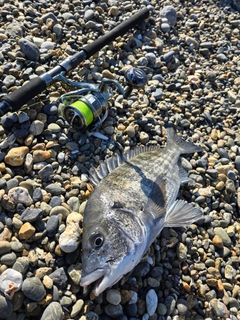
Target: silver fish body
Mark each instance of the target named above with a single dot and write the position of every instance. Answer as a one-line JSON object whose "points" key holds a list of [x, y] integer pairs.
{"points": [[131, 204]]}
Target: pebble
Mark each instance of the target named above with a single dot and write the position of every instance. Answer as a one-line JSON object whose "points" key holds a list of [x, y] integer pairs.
{"points": [[15, 156], [33, 289], [53, 311], [69, 240], [6, 308], [30, 50], [20, 195], [226, 240], [170, 14], [52, 225], [151, 302], [219, 309], [10, 282], [113, 311], [26, 231], [113, 296], [36, 128], [77, 307], [59, 278]]}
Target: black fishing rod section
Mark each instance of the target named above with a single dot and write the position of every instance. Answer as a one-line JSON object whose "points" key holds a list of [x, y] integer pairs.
{"points": [[16, 99]]}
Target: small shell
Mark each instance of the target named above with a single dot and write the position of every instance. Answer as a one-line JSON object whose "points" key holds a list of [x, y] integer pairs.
{"points": [[10, 282]]}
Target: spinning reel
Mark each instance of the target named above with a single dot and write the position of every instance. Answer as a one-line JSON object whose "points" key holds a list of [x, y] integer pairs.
{"points": [[89, 104]]}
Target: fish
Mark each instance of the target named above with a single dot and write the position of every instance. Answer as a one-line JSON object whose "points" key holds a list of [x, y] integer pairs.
{"points": [[135, 197]]}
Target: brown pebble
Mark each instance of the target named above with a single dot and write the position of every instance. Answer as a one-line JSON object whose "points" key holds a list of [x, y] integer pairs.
{"points": [[217, 241], [2, 167], [41, 155], [15, 156], [186, 287], [220, 287], [220, 186], [212, 282], [42, 272], [26, 231], [107, 74], [6, 234], [58, 251], [125, 296], [28, 141]]}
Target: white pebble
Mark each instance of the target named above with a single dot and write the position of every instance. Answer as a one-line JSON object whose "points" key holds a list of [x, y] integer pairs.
{"points": [[70, 238], [10, 282]]}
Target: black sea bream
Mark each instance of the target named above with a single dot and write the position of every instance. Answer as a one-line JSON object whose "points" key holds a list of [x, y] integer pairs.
{"points": [[135, 198]]}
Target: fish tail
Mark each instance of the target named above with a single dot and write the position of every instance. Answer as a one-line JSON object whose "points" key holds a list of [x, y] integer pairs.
{"points": [[184, 147]]}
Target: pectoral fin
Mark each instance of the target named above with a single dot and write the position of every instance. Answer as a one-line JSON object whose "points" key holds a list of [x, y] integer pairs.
{"points": [[181, 214]]}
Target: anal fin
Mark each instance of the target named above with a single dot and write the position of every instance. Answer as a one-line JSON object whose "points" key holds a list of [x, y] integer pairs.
{"points": [[182, 214]]}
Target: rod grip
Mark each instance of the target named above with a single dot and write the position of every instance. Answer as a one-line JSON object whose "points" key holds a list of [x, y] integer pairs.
{"points": [[16, 99]]}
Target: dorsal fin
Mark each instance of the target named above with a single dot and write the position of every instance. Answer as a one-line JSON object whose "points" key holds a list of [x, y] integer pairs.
{"points": [[108, 165]]}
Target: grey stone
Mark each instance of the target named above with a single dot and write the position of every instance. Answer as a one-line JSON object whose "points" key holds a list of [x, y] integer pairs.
{"points": [[30, 50], [52, 225], [21, 265], [59, 278], [33, 289], [31, 215], [170, 14], [6, 308], [53, 311]]}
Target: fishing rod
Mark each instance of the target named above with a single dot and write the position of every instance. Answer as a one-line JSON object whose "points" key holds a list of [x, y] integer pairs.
{"points": [[86, 105]]}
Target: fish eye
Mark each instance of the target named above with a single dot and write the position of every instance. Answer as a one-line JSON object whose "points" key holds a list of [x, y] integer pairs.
{"points": [[97, 240]]}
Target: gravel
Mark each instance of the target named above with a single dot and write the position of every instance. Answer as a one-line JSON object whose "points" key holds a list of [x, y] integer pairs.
{"points": [[190, 54]]}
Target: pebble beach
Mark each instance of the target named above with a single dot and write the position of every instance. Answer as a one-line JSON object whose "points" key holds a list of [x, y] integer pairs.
{"points": [[190, 52]]}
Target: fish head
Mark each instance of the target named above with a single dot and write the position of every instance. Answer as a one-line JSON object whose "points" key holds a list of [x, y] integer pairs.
{"points": [[111, 248]]}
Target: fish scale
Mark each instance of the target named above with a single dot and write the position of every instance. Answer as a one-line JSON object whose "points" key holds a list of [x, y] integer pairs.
{"points": [[134, 199]]}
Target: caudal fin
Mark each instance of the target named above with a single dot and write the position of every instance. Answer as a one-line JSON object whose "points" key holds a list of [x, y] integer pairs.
{"points": [[184, 146]]}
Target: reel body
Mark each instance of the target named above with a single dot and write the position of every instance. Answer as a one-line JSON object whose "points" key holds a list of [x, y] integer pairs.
{"points": [[89, 104]]}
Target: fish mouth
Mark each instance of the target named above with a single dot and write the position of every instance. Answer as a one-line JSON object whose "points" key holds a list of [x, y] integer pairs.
{"points": [[104, 278]]}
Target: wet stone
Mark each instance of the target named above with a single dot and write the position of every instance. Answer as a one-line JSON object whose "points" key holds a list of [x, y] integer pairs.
{"points": [[131, 310]]}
